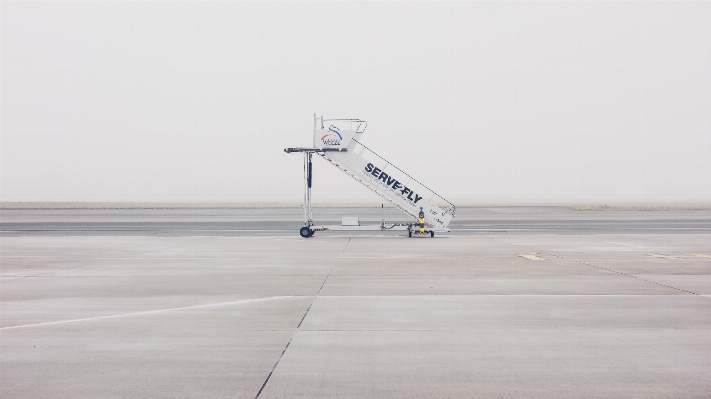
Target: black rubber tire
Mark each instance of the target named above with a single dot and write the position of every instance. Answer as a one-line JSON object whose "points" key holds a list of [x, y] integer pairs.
{"points": [[311, 233], [409, 233], [305, 232], [431, 233]]}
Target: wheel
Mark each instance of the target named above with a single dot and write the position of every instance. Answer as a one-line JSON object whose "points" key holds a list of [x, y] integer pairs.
{"points": [[305, 232], [311, 233], [409, 233], [431, 233]]}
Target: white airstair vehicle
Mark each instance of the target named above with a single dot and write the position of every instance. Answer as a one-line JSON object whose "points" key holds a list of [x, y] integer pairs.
{"points": [[338, 142]]}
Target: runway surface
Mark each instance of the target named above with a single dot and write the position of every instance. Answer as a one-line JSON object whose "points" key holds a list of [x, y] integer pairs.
{"points": [[101, 304], [287, 221]]}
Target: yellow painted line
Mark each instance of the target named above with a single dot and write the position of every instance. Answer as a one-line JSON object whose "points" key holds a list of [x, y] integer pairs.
{"points": [[661, 256], [702, 255], [531, 257]]}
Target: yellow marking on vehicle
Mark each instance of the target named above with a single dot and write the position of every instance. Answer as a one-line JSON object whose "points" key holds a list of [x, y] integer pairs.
{"points": [[702, 255], [661, 256], [531, 257]]}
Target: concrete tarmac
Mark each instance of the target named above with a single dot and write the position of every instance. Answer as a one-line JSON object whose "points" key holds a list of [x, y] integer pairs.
{"points": [[287, 221], [567, 313]]}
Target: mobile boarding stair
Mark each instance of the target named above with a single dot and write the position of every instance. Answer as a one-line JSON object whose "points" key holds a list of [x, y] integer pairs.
{"points": [[339, 144]]}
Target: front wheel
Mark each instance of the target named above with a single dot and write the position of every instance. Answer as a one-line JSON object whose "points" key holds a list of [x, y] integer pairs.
{"points": [[306, 232]]}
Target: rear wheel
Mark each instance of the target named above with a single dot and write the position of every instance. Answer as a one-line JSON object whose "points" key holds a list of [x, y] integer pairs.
{"points": [[306, 232]]}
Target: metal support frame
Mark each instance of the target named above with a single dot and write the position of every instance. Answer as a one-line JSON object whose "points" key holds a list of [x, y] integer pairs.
{"points": [[309, 228], [308, 178], [308, 174]]}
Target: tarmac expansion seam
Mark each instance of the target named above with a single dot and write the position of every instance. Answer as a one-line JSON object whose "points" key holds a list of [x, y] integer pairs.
{"points": [[609, 270], [628, 275], [298, 326], [275, 366]]}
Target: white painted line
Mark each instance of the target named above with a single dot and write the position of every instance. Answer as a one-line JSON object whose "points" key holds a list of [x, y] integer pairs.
{"points": [[499, 229], [155, 231], [627, 245], [601, 229], [165, 258], [395, 257], [144, 312], [504, 295]]}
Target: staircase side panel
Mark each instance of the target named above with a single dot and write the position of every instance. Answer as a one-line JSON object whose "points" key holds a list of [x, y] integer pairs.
{"points": [[391, 184]]}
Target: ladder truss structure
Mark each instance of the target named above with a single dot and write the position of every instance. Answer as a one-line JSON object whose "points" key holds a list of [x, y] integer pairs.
{"points": [[338, 142]]}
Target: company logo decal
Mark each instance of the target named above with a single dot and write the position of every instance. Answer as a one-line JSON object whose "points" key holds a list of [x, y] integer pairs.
{"points": [[391, 183], [333, 137]]}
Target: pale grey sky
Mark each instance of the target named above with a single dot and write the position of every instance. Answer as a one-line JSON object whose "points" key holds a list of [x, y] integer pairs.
{"points": [[524, 102]]}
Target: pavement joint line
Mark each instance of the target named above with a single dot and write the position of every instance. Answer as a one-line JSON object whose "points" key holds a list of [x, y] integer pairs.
{"points": [[145, 312], [298, 326], [274, 368], [613, 271], [625, 274], [597, 267], [242, 257]]}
